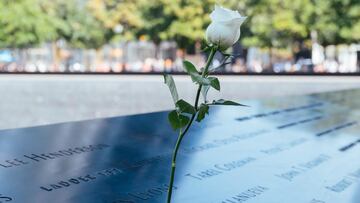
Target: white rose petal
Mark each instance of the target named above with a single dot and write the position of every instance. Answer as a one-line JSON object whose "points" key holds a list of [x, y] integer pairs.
{"points": [[224, 29]]}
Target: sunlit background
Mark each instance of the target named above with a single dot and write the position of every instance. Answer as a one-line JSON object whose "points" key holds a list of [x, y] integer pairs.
{"points": [[154, 36], [67, 60]]}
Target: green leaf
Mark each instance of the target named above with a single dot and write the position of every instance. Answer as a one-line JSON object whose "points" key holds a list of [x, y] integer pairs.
{"points": [[197, 78], [206, 49], [226, 54], [190, 68], [200, 80], [204, 91], [203, 110], [226, 102], [194, 74], [169, 81], [214, 82], [185, 107], [177, 120]]}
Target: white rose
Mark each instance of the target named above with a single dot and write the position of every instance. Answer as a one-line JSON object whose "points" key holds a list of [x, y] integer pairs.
{"points": [[224, 29]]}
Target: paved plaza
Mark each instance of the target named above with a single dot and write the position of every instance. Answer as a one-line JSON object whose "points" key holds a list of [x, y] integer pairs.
{"points": [[29, 100]]}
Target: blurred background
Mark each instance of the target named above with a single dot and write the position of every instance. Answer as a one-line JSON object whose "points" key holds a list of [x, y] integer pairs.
{"points": [[287, 47], [154, 36]]}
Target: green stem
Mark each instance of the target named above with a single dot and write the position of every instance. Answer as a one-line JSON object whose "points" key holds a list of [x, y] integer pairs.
{"points": [[182, 134], [208, 63]]}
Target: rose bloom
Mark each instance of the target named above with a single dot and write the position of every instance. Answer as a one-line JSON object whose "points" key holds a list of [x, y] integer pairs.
{"points": [[224, 29]]}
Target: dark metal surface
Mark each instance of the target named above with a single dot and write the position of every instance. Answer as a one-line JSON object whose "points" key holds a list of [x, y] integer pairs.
{"points": [[298, 149]]}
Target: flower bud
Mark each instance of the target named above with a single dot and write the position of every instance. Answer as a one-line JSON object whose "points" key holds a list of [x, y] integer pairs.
{"points": [[224, 29]]}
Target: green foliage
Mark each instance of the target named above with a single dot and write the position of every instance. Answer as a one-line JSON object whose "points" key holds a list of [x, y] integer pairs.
{"points": [[214, 82], [276, 23], [182, 21], [226, 102], [113, 13], [336, 21], [25, 23], [184, 107], [80, 28], [91, 24], [169, 81], [177, 120], [190, 68], [199, 79], [280, 23], [203, 110], [194, 74]]}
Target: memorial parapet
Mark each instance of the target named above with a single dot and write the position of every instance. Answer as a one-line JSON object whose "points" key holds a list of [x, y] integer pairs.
{"points": [[302, 149]]}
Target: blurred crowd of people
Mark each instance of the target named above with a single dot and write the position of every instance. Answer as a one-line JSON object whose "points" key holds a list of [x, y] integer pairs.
{"points": [[317, 59], [146, 57]]}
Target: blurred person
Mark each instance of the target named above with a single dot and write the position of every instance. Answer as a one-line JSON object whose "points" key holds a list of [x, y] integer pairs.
{"points": [[2, 65], [330, 63], [239, 66], [117, 67], [319, 68], [353, 58], [303, 58], [331, 66], [303, 53], [317, 54], [136, 66], [251, 59], [159, 66], [238, 52], [347, 59], [148, 65], [168, 64]]}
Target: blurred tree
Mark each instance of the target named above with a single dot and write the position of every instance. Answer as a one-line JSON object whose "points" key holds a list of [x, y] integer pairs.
{"points": [[350, 29], [336, 21], [93, 23], [24, 23], [79, 26], [120, 17], [280, 23], [277, 23], [184, 21], [191, 18]]}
